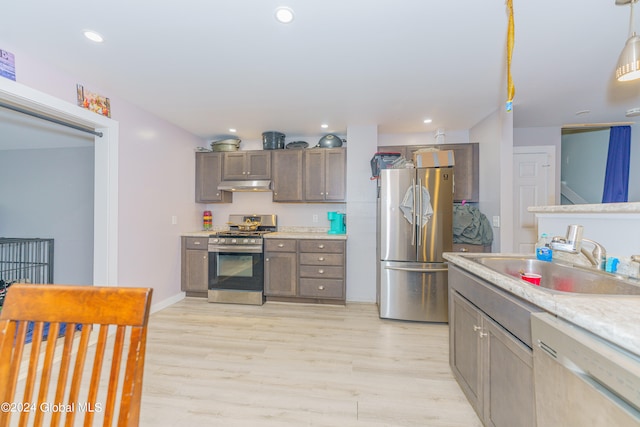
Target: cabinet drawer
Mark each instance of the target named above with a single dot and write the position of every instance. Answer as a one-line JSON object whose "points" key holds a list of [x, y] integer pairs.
{"points": [[334, 246], [279, 245], [320, 271], [197, 243], [320, 258], [322, 288], [465, 247]]}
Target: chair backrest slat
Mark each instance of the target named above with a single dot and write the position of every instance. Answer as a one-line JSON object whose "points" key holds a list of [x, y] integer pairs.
{"points": [[56, 369]]}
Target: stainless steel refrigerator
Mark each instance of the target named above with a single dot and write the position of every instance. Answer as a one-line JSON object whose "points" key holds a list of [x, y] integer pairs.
{"points": [[414, 226]]}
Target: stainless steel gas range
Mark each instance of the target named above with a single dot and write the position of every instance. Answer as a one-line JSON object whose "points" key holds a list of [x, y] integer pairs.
{"points": [[236, 260]]}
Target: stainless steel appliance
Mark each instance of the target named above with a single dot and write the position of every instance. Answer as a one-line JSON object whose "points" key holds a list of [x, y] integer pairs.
{"points": [[236, 260], [415, 220], [581, 379]]}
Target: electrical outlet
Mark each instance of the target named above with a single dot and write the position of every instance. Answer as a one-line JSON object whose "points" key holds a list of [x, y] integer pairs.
{"points": [[315, 217], [496, 221]]}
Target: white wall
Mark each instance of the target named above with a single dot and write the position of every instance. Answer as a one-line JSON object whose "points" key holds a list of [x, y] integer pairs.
{"points": [[488, 133], [450, 137], [48, 193], [617, 232], [583, 163], [156, 180], [361, 214]]}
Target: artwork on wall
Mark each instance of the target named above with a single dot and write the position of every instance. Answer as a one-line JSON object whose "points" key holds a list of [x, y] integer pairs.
{"points": [[7, 65], [94, 102]]}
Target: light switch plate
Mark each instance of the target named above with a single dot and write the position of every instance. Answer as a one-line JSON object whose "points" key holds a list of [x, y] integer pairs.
{"points": [[496, 221]]}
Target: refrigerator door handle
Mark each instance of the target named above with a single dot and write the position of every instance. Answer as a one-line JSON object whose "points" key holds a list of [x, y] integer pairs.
{"points": [[413, 213], [416, 269], [420, 211]]}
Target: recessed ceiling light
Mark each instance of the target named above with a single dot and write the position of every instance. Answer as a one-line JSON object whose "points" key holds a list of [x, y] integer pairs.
{"points": [[324, 126], [427, 120], [93, 36], [233, 130], [284, 15], [633, 112]]}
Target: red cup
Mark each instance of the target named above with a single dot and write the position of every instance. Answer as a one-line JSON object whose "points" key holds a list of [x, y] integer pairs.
{"points": [[531, 278]]}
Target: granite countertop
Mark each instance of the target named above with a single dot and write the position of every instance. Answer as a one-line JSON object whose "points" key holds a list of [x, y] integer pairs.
{"points": [[283, 232], [588, 208], [297, 232], [304, 235], [612, 317]]}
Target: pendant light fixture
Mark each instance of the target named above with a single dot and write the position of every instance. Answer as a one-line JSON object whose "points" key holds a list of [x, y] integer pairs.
{"points": [[629, 62]]}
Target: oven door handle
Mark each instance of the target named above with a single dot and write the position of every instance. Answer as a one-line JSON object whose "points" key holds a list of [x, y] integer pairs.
{"points": [[236, 249]]}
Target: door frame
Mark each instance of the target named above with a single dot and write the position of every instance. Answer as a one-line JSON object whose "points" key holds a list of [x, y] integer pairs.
{"points": [[105, 228]]}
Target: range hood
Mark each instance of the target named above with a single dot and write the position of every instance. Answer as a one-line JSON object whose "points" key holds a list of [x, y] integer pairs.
{"points": [[237, 186]]}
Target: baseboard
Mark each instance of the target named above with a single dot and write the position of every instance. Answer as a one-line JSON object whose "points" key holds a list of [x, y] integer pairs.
{"points": [[167, 302]]}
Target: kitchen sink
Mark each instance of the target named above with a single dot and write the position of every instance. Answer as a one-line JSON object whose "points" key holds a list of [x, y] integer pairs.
{"points": [[560, 277]]}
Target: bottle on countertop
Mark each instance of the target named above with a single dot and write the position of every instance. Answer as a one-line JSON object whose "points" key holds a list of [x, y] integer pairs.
{"points": [[207, 220], [543, 248]]}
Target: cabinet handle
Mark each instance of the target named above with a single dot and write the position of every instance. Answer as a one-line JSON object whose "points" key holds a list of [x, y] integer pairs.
{"points": [[217, 194], [321, 258], [321, 271], [266, 259], [321, 288], [483, 334], [196, 243], [320, 246], [205, 257], [281, 245], [477, 328], [464, 250], [321, 193]]}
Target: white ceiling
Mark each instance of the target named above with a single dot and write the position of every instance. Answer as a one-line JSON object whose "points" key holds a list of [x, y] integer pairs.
{"points": [[210, 65]]}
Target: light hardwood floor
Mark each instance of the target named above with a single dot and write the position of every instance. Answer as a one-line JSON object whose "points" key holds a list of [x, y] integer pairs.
{"points": [[297, 365]]}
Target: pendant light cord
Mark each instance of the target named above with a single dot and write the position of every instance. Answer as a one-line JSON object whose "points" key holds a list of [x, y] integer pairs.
{"points": [[511, 90]]}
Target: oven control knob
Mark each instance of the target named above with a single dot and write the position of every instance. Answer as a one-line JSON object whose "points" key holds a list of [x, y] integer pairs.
{"points": [[221, 240], [245, 241], [253, 240], [234, 241], [214, 240]]}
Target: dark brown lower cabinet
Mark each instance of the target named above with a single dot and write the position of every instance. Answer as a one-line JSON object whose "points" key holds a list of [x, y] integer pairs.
{"points": [[493, 366], [195, 266], [305, 270]]}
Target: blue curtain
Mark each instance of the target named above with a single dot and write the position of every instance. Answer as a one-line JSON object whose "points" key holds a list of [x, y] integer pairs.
{"points": [[616, 176]]}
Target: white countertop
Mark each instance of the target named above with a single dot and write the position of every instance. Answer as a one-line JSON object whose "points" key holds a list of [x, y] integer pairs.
{"points": [[589, 208], [613, 317]]}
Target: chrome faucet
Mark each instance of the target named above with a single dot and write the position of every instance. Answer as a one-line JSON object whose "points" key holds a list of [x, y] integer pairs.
{"points": [[572, 243]]}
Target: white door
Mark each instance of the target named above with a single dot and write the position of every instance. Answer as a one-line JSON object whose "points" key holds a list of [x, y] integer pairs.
{"points": [[533, 185]]}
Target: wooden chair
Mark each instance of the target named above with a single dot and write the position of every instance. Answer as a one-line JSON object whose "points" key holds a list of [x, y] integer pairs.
{"points": [[55, 368]]}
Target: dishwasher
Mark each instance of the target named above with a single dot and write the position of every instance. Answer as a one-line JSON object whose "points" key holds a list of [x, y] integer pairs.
{"points": [[581, 379]]}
